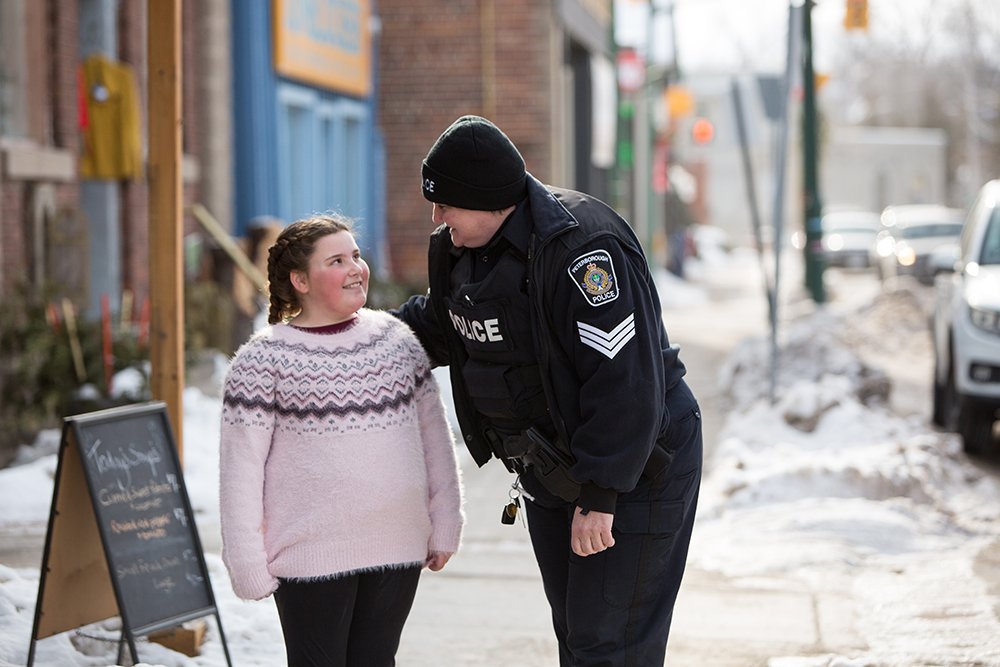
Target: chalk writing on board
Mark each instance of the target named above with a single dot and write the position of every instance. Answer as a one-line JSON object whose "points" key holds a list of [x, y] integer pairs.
{"points": [[124, 459]]}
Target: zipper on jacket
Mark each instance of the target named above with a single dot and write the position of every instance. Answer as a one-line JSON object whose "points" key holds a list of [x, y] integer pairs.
{"points": [[527, 271]]}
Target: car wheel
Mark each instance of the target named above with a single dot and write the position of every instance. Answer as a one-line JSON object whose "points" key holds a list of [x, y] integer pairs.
{"points": [[946, 412], [937, 393], [975, 426], [938, 406]]}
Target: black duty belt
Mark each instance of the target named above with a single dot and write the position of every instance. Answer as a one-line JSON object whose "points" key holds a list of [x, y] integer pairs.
{"points": [[551, 460]]}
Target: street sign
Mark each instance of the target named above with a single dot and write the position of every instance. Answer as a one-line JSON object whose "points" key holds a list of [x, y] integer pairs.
{"points": [[631, 70], [702, 131], [856, 15]]}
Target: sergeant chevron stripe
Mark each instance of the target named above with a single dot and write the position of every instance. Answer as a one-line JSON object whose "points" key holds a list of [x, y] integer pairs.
{"points": [[608, 343]]}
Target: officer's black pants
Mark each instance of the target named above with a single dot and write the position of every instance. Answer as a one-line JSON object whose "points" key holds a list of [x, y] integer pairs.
{"points": [[352, 621], [613, 608]]}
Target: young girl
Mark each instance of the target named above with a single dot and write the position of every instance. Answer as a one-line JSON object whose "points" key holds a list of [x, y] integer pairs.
{"points": [[338, 477]]}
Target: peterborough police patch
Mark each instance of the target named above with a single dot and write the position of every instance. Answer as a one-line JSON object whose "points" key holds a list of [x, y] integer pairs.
{"points": [[594, 275]]}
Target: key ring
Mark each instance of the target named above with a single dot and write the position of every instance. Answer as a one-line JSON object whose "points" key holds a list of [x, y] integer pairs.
{"points": [[517, 490]]}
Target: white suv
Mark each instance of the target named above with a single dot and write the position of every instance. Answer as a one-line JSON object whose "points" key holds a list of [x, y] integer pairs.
{"points": [[966, 328]]}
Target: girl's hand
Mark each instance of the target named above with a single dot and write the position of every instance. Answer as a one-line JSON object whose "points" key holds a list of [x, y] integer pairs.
{"points": [[436, 560]]}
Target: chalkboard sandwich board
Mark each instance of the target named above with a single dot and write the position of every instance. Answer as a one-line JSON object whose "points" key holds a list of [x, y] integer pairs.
{"points": [[121, 538]]}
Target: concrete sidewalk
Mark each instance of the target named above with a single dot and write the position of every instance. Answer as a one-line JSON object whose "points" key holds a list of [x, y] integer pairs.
{"points": [[486, 608]]}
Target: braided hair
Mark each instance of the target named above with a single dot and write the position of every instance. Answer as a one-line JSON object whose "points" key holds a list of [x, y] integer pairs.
{"points": [[291, 252]]}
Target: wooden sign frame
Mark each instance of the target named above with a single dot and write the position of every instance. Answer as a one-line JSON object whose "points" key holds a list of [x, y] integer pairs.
{"points": [[76, 586]]}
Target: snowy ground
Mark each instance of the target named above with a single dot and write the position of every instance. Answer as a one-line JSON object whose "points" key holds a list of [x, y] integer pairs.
{"points": [[827, 489]]}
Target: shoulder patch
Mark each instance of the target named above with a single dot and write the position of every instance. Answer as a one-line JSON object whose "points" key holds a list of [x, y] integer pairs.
{"points": [[594, 275]]}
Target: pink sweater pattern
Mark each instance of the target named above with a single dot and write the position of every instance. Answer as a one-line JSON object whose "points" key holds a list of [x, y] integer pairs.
{"points": [[335, 455]]}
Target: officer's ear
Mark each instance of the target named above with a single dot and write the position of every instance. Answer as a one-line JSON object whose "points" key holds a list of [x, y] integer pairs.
{"points": [[299, 280]]}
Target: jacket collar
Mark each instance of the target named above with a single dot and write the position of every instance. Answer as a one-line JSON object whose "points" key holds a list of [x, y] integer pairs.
{"points": [[548, 216], [547, 212]]}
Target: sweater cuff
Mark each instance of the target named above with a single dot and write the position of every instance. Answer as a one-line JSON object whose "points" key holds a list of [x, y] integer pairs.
{"points": [[596, 498], [445, 540], [253, 584]]}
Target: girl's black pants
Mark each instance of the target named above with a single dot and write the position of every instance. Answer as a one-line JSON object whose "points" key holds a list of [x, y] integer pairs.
{"points": [[350, 621]]}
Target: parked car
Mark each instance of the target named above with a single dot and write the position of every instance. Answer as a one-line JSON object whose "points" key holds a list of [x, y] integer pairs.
{"points": [[966, 328], [910, 234], [848, 237]]}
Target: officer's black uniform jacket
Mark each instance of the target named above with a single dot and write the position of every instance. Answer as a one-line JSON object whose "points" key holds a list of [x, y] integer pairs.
{"points": [[606, 369]]}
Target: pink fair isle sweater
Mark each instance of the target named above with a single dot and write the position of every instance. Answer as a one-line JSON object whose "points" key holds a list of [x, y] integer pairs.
{"points": [[335, 456]]}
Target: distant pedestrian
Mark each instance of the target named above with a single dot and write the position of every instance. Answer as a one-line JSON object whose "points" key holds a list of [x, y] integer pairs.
{"points": [[542, 303], [338, 476], [677, 223], [678, 217]]}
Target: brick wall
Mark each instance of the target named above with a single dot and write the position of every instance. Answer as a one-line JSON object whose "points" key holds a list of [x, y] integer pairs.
{"points": [[37, 79], [14, 256], [431, 72], [191, 118], [52, 38], [51, 33], [135, 194], [64, 47], [68, 269]]}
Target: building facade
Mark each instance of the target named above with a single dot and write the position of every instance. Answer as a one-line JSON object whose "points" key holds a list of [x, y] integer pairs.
{"points": [[73, 192], [303, 114], [540, 70], [290, 107]]}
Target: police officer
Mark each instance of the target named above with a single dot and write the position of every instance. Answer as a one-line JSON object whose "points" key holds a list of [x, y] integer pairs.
{"points": [[542, 304]]}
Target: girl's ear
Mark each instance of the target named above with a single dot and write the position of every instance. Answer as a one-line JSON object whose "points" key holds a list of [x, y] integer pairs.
{"points": [[299, 281]]}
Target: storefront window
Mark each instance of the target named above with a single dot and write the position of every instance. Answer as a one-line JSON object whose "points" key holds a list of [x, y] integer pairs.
{"points": [[324, 166], [12, 93]]}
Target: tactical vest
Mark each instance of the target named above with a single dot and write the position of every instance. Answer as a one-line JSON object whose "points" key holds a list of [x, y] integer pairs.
{"points": [[491, 316]]}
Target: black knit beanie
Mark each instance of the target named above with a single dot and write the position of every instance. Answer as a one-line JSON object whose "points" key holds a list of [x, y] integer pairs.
{"points": [[474, 165]]}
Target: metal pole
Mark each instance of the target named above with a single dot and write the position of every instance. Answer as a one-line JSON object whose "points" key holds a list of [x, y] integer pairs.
{"points": [[741, 130], [640, 173], [778, 208], [813, 204]]}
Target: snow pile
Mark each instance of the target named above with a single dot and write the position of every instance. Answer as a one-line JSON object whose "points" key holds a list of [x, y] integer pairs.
{"points": [[827, 487], [246, 624], [810, 352]]}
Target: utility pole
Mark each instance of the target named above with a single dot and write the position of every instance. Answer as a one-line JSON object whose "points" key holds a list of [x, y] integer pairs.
{"points": [[813, 204], [166, 245]]}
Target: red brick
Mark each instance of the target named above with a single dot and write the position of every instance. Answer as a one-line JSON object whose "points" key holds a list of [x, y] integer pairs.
{"points": [[431, 65]]}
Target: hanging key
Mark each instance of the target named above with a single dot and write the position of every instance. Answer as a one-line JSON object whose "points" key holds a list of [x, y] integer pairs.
{"points": [[509, 513], [510, 509]]}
